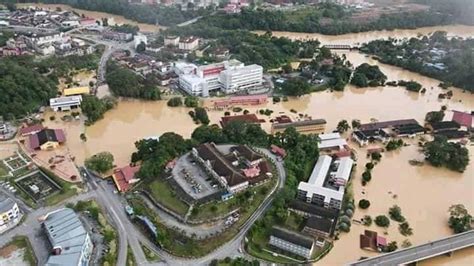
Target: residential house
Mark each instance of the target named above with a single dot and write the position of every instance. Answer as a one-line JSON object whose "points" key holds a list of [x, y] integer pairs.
{"points": [[363, 137], [370, 240], [437, 127], [10, 214], [30, 130], [124, 177], [332, 142]]}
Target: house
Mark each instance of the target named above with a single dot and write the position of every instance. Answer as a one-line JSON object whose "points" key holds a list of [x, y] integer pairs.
{"points": [[464, 119], [248, 118], [312, 126], [292, 242], [319, 227], [76, 91], [370, 240], [326, 185], [30, 130], [437, 127], [363, 137], [10, 214], [188, 43], [65, 103], [124, 177], [386, 124], [47, 139], [171, 40], [69, 239]]}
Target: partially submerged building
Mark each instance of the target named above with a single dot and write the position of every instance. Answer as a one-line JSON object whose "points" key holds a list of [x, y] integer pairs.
{"points": [[311, 126], [370, 240], [70, 241], [47, 139], [65, 103], [326, 185]]}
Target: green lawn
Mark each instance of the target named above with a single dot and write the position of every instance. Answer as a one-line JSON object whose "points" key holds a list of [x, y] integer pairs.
{"points": [[22, 242], [183, 246], [164, 194], [295, 222], [3, 170]]}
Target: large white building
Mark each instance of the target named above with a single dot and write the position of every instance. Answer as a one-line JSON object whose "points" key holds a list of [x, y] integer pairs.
{"points": [[228, 76], [65, 103], [327, 182], [9, 214], [71, 242], [188, 43]]}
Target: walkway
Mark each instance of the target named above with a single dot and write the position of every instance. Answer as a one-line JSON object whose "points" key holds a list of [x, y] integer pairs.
{"points": [[422, 252]]}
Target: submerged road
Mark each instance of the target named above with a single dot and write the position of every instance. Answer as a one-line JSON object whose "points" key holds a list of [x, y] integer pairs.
{"points": [[422, 252]]}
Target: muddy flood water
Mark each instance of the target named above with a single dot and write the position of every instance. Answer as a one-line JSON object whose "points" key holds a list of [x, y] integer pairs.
{"points": [[424, 193], [97, 15]]}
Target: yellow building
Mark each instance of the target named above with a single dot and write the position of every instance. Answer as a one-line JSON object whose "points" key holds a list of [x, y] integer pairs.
{"points": [[315, 126], [76, 91], [9, 214]]}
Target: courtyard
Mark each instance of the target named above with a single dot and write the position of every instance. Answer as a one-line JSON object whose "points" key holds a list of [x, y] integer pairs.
{"points": [[37, 185]]}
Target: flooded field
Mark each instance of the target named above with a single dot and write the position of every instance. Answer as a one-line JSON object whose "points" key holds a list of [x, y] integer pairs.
{"points": [[98, 15], [363, 37]]}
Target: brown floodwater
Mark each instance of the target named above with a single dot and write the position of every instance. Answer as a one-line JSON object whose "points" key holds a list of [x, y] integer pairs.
{"points": [[98, 15], [424, 193], [363, 37]]}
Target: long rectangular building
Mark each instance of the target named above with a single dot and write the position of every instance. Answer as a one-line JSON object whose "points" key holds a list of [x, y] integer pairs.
{"points": [[71, 243], [313, 126], [292, 242], [326, 187]]}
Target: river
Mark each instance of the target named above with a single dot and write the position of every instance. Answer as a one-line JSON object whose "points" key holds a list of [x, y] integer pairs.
{"points": [[424, 193], [98, 15]]}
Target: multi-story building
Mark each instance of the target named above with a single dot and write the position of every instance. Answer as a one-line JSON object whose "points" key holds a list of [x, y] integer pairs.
{"points": [[292, 242], [69, 239], [327, 182], [171, 40], [313, 126], [188, 43], [9, 214], [241, 77]]}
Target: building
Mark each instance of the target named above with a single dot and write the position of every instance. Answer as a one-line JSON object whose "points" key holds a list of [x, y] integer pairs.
{"points": [[239, 78], [65, 103], [363, 137], [124, 177], [278, 151], [319, 227], [76, 91], [313, 126], [309, 210], [370, 240], [193, 85], [248, 118], [117, 36], [236, 170], [171, 40], [464, 119], [332, 142], [140, 38], [437, 127], [71, 243], [387, 124], [188, 43], [30, 130], [241, 100], [327, 182], [292, 242], [47, 139], [9, 214]]}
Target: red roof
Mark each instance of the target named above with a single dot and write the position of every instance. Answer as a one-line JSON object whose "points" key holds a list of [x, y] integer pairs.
{"points": [[343, 153], [123, 176], [250, 118], [464, 119], [31, 129], [381, 241]]}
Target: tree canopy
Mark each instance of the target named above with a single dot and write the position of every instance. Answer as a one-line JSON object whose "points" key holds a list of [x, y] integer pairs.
{"points": [[100, 162], [440, 152]]}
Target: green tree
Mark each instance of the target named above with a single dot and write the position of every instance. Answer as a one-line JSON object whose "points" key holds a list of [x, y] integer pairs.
{"points": [[355, 123], [141, 47], [211, 133], [366, 176], [459, 219], [101, 162], [395, 213], [201, 115], [382, 221], [191, 101], [405, 229], [364, 204], [175, 102], [342, 126], [296, 87], [440, 152]]}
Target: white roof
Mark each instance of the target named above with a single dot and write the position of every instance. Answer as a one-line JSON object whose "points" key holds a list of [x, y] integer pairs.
{"points": [[191, 78], [331, 140], [69, 99], [315, 184]]}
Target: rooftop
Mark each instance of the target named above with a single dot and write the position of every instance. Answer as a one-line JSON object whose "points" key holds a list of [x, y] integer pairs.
{"points": [[331, 140], [320, 224], [249, 118], [46, 135], [123, 176], [313, 210], [292, 237], [386, 124], [6, 204], [463, 119], [299, 123]]}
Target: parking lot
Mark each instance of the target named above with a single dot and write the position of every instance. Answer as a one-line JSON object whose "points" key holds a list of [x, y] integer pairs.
{"points": [[191, 177]]}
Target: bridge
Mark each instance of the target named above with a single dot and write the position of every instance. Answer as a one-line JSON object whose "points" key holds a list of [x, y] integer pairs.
{"points": [[422, 252], [340, 47]]}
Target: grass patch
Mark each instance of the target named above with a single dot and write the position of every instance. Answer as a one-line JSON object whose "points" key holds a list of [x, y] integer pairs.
{"points": [[149, 254], [3, 170], [130, 258], [67, 189], [22, 242], [295, 222], [165, 194], [183, 246]]}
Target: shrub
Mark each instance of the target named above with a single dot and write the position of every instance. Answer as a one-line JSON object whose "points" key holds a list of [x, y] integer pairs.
{"points": [[175, 102], [364, 204], [405, 229], [367, 220], [236, 109], [395, 213], [369, 166], [376, 156], [382, 221], [366, 176]]}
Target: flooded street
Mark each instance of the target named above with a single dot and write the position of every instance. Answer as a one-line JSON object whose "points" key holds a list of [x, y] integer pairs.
{"points": [[98, 16]]}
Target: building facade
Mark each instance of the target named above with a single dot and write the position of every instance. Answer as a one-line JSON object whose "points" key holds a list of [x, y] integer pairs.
{"points": [[313, 126], [10, 214], [240, 78], [292, 242], [65, 103]]}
